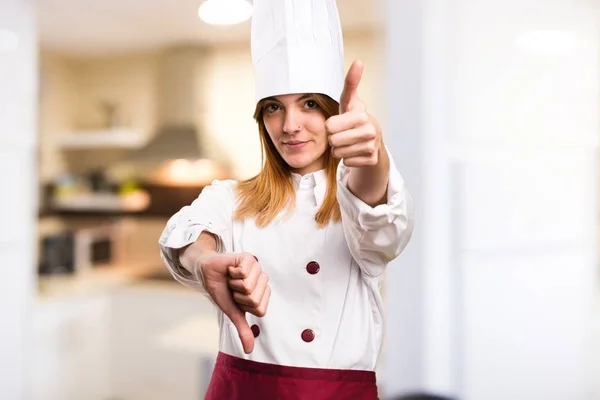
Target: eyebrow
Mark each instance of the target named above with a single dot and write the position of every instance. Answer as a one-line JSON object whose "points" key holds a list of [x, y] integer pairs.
{"points": [[304, 97], [273, 99]]}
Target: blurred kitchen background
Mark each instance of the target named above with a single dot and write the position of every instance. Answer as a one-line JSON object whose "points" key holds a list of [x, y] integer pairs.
{"points": [[115, 114]]}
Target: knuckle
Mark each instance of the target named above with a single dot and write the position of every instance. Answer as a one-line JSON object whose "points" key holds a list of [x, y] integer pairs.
{"points": [[254, 301], [363, 117], [372, 132], [369, 132], [246, 289], [329, 125], [372, 148]]}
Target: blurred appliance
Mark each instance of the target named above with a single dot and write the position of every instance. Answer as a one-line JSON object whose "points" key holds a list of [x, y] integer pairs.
{"points": [[57, 255], [95, 246]]}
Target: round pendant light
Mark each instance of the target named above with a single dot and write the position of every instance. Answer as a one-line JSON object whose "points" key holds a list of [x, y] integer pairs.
{"points": [[225, 12]]}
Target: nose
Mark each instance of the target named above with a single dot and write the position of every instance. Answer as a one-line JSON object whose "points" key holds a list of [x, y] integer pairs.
{"points": [[291, 124]]}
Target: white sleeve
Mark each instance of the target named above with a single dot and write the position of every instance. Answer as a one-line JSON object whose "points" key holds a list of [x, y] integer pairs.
{"points": [[212, 212], [376, 235]]}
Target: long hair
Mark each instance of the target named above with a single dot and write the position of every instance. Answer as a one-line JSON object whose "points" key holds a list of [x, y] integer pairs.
{"points": [[267, 194]]}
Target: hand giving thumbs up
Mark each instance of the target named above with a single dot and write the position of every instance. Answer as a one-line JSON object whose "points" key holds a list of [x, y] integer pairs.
{"points": [[354, 135]]}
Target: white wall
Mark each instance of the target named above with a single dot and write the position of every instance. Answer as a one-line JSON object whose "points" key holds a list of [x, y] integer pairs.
{"points": [[18, 116], [500, 130]]}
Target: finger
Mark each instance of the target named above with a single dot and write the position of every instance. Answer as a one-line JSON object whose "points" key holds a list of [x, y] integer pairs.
{"points": [[243, 268], [361, 149], [245, 286], [361, 161], [261, 310], [253, 299], [352, 136], [350, 91], [225, 302], [343, 122]]}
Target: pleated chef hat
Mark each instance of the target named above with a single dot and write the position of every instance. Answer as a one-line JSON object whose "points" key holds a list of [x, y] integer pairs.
{"points": [[297, 47]]}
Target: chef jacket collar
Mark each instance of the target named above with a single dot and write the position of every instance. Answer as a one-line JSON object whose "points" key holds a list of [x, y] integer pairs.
{"points": [[316, 180]]}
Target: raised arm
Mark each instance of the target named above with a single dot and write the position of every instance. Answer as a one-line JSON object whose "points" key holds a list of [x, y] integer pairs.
{"points": [[377, 215]]}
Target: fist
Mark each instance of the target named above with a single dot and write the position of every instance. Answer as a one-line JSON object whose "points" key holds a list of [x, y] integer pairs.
{"points": [[354, 135], [237, 285], [249, 285]]}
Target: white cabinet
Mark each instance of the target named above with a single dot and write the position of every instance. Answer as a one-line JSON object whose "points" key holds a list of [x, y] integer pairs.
{"points": [[111, 345], [142, 368], [70, 349]]}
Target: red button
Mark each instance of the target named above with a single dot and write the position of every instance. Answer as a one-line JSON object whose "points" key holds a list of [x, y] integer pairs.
{"points": [[255, 330], [308, 335], [313, 267]]}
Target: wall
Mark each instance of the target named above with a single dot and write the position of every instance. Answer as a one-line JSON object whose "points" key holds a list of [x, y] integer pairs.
{"points": [[73, 90], [494, 298], [59, 98], [18, 116]]}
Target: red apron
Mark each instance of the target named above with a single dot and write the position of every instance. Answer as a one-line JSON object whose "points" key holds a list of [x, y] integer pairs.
{"points": [[238, 379]]}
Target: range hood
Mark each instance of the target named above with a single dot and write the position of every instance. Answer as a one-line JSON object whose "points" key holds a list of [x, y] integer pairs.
{"points": [[180, 151]]}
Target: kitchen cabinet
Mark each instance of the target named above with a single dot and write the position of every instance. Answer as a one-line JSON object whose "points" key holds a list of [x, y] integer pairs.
{"points": [[70, 349], [114, 343], [142, 367]]}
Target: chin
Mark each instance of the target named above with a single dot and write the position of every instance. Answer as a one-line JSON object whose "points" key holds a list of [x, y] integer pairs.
{"points": [[302, 160], [298, 161]]}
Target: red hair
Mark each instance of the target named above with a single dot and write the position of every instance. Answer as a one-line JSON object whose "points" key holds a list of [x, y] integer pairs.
{"points": [[264, 196]]}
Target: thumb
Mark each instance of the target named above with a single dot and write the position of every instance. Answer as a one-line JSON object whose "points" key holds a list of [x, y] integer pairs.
{"points": [[225, 302], [224, 299], [350, 91]]}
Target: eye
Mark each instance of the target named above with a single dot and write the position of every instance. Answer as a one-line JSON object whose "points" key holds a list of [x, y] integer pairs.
{"points": [[311, 104], [271, 108]]}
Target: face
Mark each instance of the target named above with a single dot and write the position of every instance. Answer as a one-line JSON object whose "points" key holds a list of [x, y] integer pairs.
{"points": [[296, 125]]}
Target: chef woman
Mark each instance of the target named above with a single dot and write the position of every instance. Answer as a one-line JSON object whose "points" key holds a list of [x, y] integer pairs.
{"points": [[293, 258]]}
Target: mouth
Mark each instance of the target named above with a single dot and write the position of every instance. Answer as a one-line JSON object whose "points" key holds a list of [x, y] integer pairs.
{"points": [[294, 144]]}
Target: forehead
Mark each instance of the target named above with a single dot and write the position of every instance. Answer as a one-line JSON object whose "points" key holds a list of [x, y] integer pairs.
{"points": [[291, 98]]}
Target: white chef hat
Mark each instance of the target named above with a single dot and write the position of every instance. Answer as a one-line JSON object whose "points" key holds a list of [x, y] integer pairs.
{"points": [[297, 47]]}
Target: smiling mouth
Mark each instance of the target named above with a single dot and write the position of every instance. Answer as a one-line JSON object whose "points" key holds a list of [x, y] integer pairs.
{"points": [[293, 142]]}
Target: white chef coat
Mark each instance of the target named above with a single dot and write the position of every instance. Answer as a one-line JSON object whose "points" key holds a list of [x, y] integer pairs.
{"points": [[325, 283]]}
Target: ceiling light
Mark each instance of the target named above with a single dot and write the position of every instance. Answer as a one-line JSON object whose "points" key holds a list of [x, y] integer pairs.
{"points": [[548, 42], [9, 41], [225, 12]]}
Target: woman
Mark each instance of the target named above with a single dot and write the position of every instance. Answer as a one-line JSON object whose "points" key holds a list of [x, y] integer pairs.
{"points": [[293, 258]]}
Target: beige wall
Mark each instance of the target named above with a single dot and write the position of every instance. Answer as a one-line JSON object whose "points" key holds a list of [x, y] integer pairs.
{"points": [[74, 89], [58, 100]]}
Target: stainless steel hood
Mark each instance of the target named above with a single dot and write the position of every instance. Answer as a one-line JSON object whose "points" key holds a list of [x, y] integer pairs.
{"points": [[171, 143], [181, 132]]}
